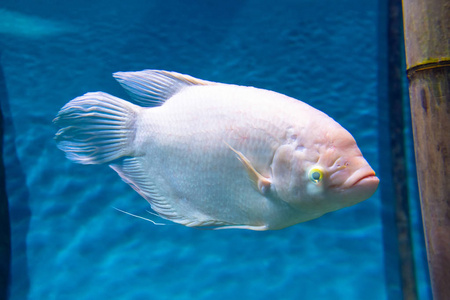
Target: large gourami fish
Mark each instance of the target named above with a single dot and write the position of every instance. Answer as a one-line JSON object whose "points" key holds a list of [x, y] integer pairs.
{"points": [[218, 155]]}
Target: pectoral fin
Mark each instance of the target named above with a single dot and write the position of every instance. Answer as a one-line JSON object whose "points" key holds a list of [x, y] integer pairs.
{"points": [[261, 183]]}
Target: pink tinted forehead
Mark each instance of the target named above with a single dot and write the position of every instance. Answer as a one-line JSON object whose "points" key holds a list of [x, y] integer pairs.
{"points": [[340, 145], [338, 137]]}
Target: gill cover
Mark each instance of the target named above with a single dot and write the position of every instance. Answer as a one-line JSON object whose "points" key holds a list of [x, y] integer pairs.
{"points": [[294, 179], [283, 172]]}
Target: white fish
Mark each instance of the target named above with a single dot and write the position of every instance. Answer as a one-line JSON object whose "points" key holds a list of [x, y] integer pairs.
{"points": [[218, 155]]}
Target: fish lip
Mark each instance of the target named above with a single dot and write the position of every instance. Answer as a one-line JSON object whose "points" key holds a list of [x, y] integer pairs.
{"points": [[363, 175], [365, 178]]}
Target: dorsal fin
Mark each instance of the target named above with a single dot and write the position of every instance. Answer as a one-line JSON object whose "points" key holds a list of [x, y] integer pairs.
{"points": [[154, 87]]}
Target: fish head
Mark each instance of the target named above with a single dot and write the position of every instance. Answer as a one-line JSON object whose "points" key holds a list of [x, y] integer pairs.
{"points": [[322, 171]]}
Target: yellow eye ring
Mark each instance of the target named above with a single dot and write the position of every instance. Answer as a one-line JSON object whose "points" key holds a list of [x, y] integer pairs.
{"points": [[315, 175]]}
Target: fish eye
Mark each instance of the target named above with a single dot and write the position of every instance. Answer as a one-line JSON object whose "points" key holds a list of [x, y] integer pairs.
{"points": [[316, 175]]}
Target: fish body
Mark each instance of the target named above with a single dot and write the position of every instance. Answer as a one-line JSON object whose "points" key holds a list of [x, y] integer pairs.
{"points": [[218, 155]]}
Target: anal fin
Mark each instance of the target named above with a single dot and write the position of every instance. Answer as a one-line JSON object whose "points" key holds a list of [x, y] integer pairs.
{"points": [[131, 171]]}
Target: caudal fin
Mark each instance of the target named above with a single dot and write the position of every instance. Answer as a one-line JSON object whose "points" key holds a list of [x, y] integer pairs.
{"points": [[96, 128]]}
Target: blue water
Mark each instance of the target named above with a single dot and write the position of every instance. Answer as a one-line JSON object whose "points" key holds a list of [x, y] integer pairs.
{"points": [[69, 242]]}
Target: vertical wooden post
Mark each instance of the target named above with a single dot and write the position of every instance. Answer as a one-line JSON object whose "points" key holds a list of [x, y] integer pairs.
{"points": [[427, 41]]}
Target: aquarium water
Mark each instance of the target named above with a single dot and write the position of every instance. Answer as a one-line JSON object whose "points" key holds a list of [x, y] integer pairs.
{"points": [[68, 240]]}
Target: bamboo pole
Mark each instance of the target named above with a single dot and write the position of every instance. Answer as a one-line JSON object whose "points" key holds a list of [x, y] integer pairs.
{"points": [[427, 42]]}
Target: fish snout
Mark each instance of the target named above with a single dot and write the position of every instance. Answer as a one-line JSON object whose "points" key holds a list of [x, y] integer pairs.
{"points": [[357, 180], [361, 184]]}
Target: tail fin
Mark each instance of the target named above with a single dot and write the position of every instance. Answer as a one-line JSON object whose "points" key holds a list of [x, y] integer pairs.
{"points": [[96, 128]]}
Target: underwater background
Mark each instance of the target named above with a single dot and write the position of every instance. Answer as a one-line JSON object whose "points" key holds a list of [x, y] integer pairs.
{"points": [[68, 241]]}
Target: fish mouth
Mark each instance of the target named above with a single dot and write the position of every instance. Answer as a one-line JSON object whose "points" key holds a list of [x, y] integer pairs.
{"points": [[370, 177], [364, 176], [361, 185]]}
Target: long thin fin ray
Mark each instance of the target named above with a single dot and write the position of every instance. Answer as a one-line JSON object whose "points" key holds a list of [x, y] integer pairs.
{"points": [[139, 217]]}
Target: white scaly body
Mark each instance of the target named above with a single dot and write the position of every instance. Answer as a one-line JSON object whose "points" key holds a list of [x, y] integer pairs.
{"points": [[187, 156]]}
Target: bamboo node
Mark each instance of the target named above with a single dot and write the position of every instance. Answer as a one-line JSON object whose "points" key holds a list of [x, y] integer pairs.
{"points": [[445, 63]]}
